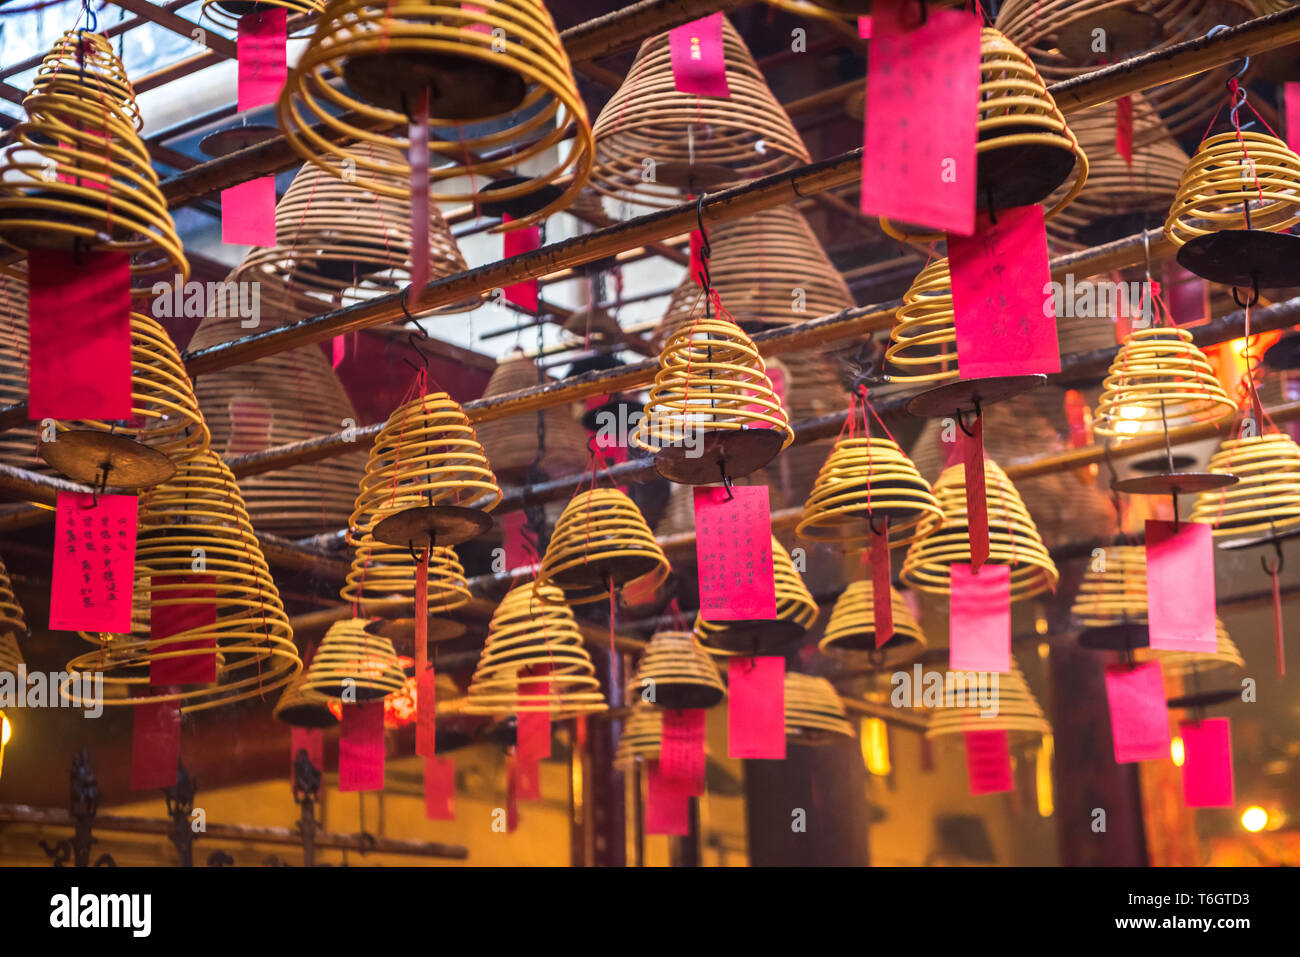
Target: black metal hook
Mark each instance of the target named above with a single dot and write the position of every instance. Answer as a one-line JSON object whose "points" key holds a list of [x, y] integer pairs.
{"points": [[706, 250], [871, 520], [1254, 293], [961, 419], [415, 554], [726, 479], [1281, 561], [413, 341]]}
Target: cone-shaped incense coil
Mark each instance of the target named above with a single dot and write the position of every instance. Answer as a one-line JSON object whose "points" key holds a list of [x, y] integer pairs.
{"points": [[229, 12], [81, 178], [352, 665], [300, 708], [654, 144], [12, 621], [1016, 113], [1159, 378], [1266, 498], [500, 60], [381, 582], [923, 342], [1225, 657], [1259, 172], [851, 630], [511, 443], [10, 655], [973, 702], [1114, 588], [795, 613], [813, 710], [534, 659], [18, 444], [642, 735], [676, 672], [1013, 538], [866, 481], [600, 542]]}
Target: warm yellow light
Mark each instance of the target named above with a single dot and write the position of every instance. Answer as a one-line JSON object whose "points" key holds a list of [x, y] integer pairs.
{"points": [[1176, 751], [1132, 412], [1254, 819], [1043, 776], [1128, 427], [875, 746], [6, 730]]}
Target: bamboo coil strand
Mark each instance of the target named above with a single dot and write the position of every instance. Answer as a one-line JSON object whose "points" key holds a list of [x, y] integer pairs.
{"points": [[641, 738], [12, 621], [851, 629], [813, 711], [1113, 590], [511, 443], [923, 340], [1017, 710], [11, 656], [600, 542], [1266, 498], [299, 708], [381, 581], [228, 13], [675, 672], [353, 665], [1184, 664], [796, 610], [17, 445]]}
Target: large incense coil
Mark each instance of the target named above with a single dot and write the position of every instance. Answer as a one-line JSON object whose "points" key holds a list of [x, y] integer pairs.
{"points": [[1159, 377], [1018, 710], [796, 610], [534, 659], [389, 54], [1113, 591], [813, 711], [18, 444], [600, 543], [426, 454], [12, 621], [923, 341], [867, 480], [351, 665], [675, 672], [851, 630], [642, 736], [229, 12], [1266, 498], [1217, 187], [300, 708], [1015, 112], [78, 176], [654, 145], [381, 581], [511, 443], [1194, 664], [1013, 538]]}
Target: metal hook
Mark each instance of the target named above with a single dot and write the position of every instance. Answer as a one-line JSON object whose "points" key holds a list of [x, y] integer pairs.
{"points": [[871, 520], [415, 554], [412, 341], [1254, 293], [97, 487], [726, 479], [1277, 568], [706, 250], [961, 419]]}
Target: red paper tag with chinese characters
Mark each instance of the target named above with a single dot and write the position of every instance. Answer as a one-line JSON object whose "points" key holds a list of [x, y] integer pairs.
{"points": [[197, 609], [79, 318], [516, 243], [696, 55], [1180, 586], [1002, 301], [988, 762], [667, 804], [311, 740], [681, 748], [361, 747], [979, 609], [756, 709], [1207, 762], [733, 542], [94, 563], [882, 597], [1139, 717], [426, 730], [439, 789], [248, 213], [918, 159], [155, 743], [263, 62], [1124, 128]]}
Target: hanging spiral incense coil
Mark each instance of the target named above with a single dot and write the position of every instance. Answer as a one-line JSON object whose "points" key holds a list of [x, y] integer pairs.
{"points": [[534, 660], [17, 445], [11, 657], [692, 143], [303, 709], [813, 711], [795, 613], [851, 630], [1025, 149], [969, 696], [675, 672], [511, 443], [923, 341], [12, 621], [642, 735], [1225, 657], [866, 480], [78, 176], [1114, 589], [1013, 538], [1266, 498], [497, 60], [1219, 190], [381, 581], [353, 665], [600, 543], [229, 12], [1159, 376]]}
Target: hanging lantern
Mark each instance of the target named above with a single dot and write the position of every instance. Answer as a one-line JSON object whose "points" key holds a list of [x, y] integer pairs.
{"points": [[600, 543], [851, 630], [678, 673], [354, 666], [814, 713], [795, 613]]}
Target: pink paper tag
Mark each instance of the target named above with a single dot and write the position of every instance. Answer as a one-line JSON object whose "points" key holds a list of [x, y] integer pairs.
{"points": [[248, 213], [199, 610], [79, 317], [980, 619], [1124, 128], [695, 51], [1207, 763], [338, 349], [921, 103], [361, 747], [1139, 718], [519, 554], [882, 598], [155, 744], [311, 740], [426, 729], [439, 789], [533, 735], [864, 28], [977, 507], [733, 542], [94, 563], [1293, 117], [667, 804], [263, 63], [1180, 586], [988, 762], [756, 708], [681, 748], [516, 243], [1001, 297]]}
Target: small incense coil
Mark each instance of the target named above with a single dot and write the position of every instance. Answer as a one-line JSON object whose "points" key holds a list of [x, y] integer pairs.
{"points": [[1266, 498], [642, 736], [864, 478], [18, 444], [851, 630], [813, 711], [303, 709], [1159, 376], [498, 60], [675, 672], [692, 143], [353, 665], [795, 613], [533, 631], [381, 581], [923, 341], [1017, 708], [12, 621], [511, 443], [1015, 111], [79, 177], [1114, 588], [426, 454], [600, 543], [1217, 187], [228, 13], [11, 657], [1184, 664], [1013, 538]]}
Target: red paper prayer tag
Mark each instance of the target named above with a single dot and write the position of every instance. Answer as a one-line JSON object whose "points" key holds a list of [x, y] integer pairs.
{"points": [[512, 795], [263, 61], [756, 708], [418, 160], [1293, 116], [1124, 128], [518, 553], [918, 159], [180, 603], [530, 779], [1180, 586], [977, 509], [882, 603], [422, 613], [667, 804], [695, 268], [439, 789], [533, 735], [94, 563], [988, 762], [155, 743], [733, 542], [864, 28], [681, 748], [516, 243], [980, 619], [426, 730], [1207, 762], [1139, 717], [338, 351], [696, 55], [361, 747], [250, 426], [1002, 302], [79, 317], [248, 213], [311, 740]]}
